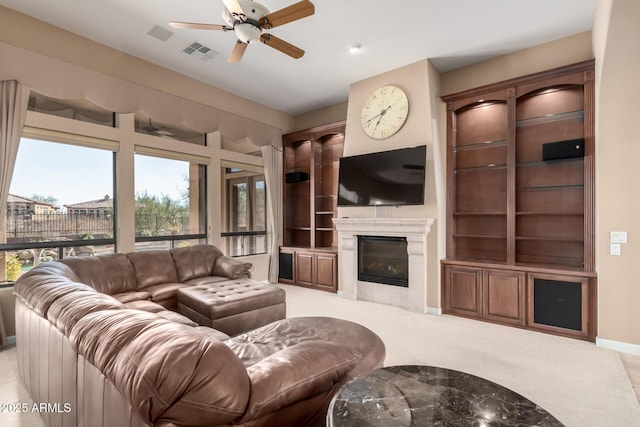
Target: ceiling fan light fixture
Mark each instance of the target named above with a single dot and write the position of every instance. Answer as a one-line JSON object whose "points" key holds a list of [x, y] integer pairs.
{"points": [[247, 32]]}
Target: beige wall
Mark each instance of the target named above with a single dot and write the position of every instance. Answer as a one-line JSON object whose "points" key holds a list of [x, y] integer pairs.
{"points": [[323, 116], [550, 55], [616, 34]]}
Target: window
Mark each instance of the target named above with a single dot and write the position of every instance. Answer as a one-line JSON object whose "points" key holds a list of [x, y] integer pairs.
{"points": [[170, 201], [144, 124], [52, 184], [245, 198], [79, 109]]}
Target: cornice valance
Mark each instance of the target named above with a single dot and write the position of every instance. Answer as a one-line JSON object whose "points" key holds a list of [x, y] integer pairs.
{"points": [[58, 79]]}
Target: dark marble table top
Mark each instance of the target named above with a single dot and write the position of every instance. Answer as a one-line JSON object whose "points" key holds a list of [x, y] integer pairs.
{"points": [[429, 396]]}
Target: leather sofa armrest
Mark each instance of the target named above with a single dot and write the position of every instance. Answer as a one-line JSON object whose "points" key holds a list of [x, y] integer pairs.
{"points": [[296, 373], [230, 267]]}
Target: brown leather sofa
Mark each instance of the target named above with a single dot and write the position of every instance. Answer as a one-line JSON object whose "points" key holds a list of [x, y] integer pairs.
{"points": [[96, 361]]}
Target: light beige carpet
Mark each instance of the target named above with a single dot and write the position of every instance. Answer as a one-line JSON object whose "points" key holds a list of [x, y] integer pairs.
{"points": [[580, 384]]}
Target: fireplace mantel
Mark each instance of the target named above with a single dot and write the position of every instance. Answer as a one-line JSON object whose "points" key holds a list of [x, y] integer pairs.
{"points": [[414, 229]]}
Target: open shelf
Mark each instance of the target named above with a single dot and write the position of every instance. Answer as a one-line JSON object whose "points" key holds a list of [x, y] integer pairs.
{"points": [[480, 236]]}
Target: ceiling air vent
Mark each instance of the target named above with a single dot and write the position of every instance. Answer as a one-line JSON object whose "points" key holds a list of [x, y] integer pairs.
{"points": [[160, 33], [200, 51]]}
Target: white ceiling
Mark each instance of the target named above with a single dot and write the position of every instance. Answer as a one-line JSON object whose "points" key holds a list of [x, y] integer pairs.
{"points": [[452, 33]]}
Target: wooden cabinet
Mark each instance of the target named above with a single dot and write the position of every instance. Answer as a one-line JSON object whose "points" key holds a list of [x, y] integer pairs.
{"points": [[552, 301], [503, 296], [311, 159], [491, 294], [326, 271], [312, 268], [304, 268], [512, 204], [463, 290]]}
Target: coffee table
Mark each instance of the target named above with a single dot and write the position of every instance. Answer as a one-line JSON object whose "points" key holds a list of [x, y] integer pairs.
{"points": [[431, 396]]}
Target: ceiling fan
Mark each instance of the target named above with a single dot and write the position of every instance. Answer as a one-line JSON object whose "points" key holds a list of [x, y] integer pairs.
{"points": [[155, 131], [248, 18]]}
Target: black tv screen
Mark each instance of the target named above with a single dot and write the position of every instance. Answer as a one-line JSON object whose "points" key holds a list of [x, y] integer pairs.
{"points": [[387, 178]]}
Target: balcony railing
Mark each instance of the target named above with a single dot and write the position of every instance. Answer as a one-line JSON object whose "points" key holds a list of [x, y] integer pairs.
{"points": [[61, 226]]}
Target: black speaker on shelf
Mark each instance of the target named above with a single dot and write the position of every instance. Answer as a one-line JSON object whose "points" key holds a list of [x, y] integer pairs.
{"points": [[286, 266], [291, 177], [563, 149]]}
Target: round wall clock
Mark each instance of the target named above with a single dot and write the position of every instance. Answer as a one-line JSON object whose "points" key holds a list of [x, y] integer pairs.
{"points": [[384, 112]]}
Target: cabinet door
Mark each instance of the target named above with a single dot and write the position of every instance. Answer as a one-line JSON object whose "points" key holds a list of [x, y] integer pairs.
{"points": [[463, 291], [327, 271], [504, 296], [304, 268]]}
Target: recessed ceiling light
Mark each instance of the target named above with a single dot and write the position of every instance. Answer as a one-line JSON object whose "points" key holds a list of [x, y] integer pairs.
{"points": [[355, 47]]}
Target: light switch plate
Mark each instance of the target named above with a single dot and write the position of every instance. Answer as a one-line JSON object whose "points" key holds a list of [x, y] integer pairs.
{"points": [[618, 237], [614, 249]]}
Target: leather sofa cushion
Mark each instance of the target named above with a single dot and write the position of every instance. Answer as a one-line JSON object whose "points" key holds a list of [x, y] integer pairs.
{"points": [[206, 280], [194, 261], [296, 373], [152, 307], [67, 310], [230, 267], [40, 287], [153, 267], [176, 317], [109, 274], [144, 305], [164, 291], [260, 343], [173, 374], [219, 335], [126, 297]]}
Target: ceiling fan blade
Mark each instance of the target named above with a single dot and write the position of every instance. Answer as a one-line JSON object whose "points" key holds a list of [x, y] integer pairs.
{"points": [[237, 52], [197, 26], [233, 6], [281, 45], [294, 12]]}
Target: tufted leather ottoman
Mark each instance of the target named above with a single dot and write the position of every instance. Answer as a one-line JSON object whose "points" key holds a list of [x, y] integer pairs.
{"points": [[232, 306]]}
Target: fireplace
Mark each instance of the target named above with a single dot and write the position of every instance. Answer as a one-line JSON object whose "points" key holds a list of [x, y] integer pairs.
{"points": [[383, 259], [413, 231]]}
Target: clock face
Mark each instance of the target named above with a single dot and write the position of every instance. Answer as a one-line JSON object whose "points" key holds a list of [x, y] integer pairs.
{"points": [[384, 112]]}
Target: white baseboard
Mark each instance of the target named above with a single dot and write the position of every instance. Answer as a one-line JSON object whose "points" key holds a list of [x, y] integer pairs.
{"points": [[622, 347], [434, 310]]}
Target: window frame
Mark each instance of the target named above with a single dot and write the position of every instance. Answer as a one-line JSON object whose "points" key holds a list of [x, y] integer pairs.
{"points": [[66, 136], [251, 178], [143, 150]]}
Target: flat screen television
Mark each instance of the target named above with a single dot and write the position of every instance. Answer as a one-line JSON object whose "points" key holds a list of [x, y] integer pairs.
{"points": [[387, 178]]}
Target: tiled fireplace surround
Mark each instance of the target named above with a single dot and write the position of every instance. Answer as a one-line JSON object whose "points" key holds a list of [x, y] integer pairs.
{"points": [[415, 230]]}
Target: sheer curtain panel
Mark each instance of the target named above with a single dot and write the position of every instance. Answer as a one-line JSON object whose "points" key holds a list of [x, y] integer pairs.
{"points": [[272, 162], [14, 98]]}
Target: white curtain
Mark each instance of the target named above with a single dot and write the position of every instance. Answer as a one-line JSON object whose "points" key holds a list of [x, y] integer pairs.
{"points": [[14, 98], [272, 161]]}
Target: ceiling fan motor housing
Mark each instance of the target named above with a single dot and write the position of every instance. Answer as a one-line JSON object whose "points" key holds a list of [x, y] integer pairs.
{"points": [[246, 26]]}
